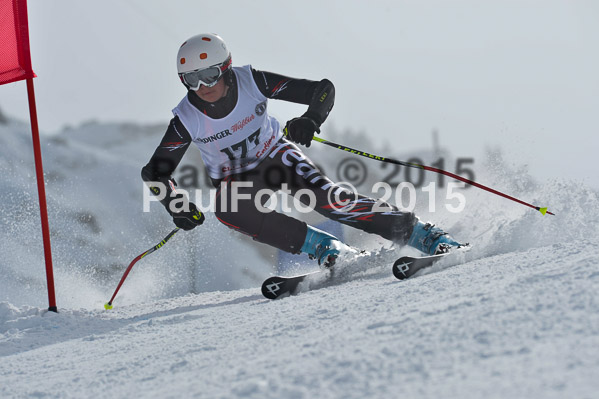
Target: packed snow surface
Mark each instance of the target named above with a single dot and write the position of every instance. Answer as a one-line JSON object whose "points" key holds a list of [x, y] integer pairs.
{"points": [[515, 317]]}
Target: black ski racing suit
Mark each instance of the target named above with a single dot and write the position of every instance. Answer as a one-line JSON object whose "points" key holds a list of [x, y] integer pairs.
{"points": [[286, 164]]}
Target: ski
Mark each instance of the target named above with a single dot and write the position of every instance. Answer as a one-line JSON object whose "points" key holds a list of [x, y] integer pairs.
{"points": [[403, 268], [406, 266], [278, 286]]}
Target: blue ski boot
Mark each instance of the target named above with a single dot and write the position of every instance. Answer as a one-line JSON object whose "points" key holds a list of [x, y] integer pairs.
{"points": [[322, 246], [431, 240]]}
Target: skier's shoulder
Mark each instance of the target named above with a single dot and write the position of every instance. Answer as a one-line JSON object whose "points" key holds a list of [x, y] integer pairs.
{"points": [[249, 80], [243, 72]]}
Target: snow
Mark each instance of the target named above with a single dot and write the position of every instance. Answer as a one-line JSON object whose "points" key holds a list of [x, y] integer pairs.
{"points": [[517, 316]]}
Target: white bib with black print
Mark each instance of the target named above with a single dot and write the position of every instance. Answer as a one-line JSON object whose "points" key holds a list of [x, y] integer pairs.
{"points": [[239, 141]]}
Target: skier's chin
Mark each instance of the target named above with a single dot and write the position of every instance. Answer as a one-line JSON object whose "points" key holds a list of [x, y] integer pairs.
{"points": [[212, 94], [208, 95]]}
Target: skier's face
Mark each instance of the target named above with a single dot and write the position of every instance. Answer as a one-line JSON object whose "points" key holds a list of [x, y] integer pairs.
{"points": [[214, 93]]}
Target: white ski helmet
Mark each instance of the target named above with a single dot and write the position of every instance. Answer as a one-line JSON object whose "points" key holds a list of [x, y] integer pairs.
{"points": [[202, 60]]}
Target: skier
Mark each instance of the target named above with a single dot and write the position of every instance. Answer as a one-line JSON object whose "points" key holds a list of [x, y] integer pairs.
{"points": [[225, 114]]}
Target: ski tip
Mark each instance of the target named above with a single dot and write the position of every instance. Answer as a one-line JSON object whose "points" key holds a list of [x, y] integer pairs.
{"points": [[402, 266], [271, 287], [107, 306]]}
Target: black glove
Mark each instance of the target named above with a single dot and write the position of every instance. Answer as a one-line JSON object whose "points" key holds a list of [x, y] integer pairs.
{"points": [[301, 130], [188, 220]]}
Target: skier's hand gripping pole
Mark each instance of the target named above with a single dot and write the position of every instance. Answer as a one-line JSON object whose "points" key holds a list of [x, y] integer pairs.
{"points": [[431, 169], [108, 305]]}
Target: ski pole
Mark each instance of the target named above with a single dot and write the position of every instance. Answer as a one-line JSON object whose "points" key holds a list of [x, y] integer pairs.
{"points": [[108, 305], [431, 169]]}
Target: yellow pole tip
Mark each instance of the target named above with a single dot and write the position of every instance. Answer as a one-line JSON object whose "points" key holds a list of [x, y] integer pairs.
{"points": [[107, 306], [543, 210]]}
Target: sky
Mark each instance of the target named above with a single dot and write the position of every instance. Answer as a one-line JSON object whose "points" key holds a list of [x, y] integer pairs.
{"points": [[520, 75]]}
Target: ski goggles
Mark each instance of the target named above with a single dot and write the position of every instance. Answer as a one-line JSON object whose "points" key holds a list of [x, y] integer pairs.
{"points": [[206, 76]]}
